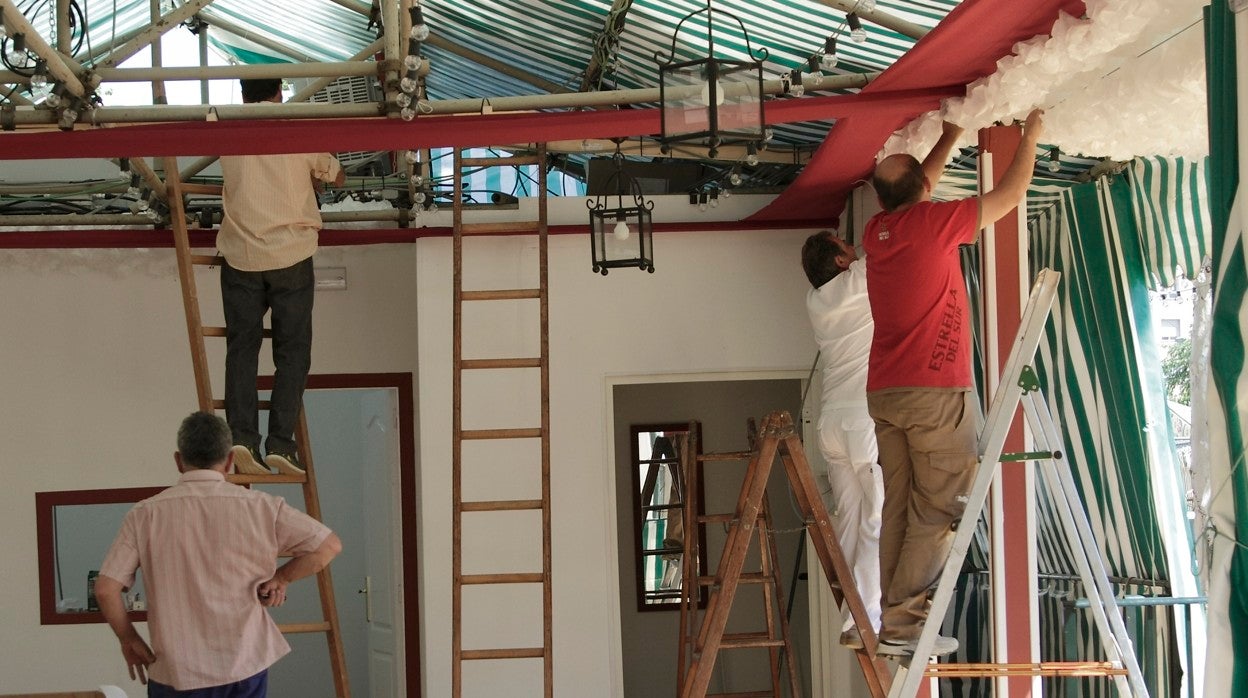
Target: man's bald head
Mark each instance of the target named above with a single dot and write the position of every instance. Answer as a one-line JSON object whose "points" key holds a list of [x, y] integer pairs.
{"points": [[898, 180]]}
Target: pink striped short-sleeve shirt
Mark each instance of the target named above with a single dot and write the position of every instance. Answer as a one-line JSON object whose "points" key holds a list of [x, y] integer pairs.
{"points": [[205, 545]]}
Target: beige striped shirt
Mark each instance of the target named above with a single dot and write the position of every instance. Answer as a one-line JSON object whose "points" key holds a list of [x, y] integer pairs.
{"points": [[205, 545], [271, 220]]}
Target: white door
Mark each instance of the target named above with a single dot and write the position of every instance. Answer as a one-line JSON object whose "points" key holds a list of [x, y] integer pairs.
{"points": [[355, 451], [382, 527]]}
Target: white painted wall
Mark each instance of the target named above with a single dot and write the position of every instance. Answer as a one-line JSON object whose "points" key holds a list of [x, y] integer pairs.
{"points": [[96, 375], [725, 301]]}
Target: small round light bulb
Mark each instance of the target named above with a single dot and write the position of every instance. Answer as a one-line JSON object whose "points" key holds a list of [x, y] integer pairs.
{"points": [[706, 94], [419, 32], [621, 231]]}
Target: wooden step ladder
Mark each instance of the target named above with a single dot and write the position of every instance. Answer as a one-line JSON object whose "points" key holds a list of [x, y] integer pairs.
{"points": [[541, 432], [1020, 387], [196, 332], [777, 438], [775, 636]]}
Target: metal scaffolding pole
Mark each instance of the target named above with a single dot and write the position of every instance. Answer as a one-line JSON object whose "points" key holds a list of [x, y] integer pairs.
{"points": [[289, 110]]}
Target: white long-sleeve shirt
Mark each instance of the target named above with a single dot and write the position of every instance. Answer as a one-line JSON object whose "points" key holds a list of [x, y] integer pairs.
{"points": [[841, 318]]}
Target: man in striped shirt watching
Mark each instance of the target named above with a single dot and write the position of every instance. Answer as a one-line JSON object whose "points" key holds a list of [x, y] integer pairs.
{"points": [[208, 550]]}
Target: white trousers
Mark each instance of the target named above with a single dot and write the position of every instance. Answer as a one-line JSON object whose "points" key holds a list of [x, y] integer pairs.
{"points": [[856, 494]]}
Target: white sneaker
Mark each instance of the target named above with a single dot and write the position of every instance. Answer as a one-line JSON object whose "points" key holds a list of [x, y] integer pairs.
{"points": [[905, 648]]}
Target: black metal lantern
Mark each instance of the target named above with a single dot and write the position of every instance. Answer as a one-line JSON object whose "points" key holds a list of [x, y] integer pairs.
{"points": [[621, 236], [711, 101]]}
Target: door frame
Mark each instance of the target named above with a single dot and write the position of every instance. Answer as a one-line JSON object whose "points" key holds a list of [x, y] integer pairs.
{"points": [[410, 564]]}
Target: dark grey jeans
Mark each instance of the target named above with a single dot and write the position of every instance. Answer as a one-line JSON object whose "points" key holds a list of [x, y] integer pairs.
{"points": [[246, 296]]}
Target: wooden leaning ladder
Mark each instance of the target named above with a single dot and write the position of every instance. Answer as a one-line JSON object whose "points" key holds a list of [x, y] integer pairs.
{"points": [[541, 432], [777, 438], [175, 190]]}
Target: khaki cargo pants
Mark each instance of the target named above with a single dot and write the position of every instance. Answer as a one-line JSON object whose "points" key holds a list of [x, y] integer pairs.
{"points": [[928, 453]]}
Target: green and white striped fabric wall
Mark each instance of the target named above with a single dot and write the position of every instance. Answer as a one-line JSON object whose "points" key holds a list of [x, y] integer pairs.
{"points": [[1173, 218], [1227, 672], [1100, 367]]}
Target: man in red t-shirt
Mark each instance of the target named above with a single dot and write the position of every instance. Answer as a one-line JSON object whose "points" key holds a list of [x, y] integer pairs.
{"points": [[919, 376]]}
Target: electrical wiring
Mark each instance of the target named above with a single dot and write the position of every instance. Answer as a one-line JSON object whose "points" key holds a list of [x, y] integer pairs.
{"points": [[39, 8]]}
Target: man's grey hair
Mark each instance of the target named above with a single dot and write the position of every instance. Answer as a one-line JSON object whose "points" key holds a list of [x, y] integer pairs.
{"points": [[204, 440]]}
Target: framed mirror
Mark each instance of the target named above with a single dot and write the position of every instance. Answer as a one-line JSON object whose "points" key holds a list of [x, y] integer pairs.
{"points": [[74, 530], [659, 497]]}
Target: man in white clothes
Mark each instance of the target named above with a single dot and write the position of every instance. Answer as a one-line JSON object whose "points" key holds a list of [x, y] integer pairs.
{"points": [[841, 318]]}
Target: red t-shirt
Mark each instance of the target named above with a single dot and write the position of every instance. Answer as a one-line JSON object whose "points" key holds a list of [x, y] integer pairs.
{"points": [[918, 296]]}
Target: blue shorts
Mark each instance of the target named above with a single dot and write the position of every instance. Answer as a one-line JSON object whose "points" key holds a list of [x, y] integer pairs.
{"points": [[254, 687]]}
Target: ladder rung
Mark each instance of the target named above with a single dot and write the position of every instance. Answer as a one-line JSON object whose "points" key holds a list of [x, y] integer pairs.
{"points": [[293, 628], [500, 161], [496, 228], [717, 518], [478, 434], [736, 455], [220, 332], [746, 578], [740, 640], [535, 362], [501, 505], [513, 653], [510, 578], [506, 294], [207, 260], [274, 479], [743, 694], [984, 670]]}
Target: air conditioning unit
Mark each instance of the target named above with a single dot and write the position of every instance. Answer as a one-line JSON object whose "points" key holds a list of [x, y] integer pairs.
{"points": [[353, 89]]}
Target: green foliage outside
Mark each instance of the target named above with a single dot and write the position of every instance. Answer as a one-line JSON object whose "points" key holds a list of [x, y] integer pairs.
{"points": [[1176, 367]]}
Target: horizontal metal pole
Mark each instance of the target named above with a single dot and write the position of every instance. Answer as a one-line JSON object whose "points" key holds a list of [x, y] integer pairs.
{"points": [[62, 219], [883, 19], [162, 112], [100, 219], [381, 214], [784, 155], [241, 72], [1132, 601]]}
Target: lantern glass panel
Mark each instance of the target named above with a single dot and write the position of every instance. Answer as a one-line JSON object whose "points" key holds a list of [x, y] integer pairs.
{"points": [[712, 99]]}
